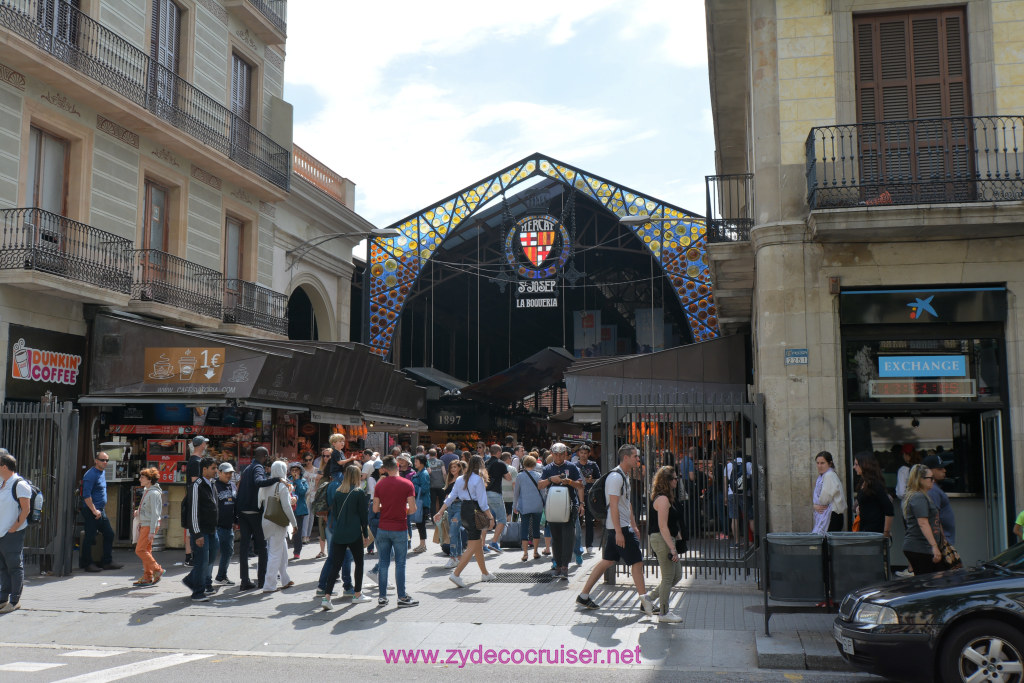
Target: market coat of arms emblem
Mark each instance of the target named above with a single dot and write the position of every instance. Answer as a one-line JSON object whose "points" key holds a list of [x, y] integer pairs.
{"points": [[537, 237]]}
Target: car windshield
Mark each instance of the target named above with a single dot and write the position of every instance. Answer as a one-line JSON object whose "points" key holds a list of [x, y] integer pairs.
{"points": [[1011, 558]]}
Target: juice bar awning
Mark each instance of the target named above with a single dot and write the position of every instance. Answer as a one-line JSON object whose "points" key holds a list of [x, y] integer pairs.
{"points": [[137, 361]]}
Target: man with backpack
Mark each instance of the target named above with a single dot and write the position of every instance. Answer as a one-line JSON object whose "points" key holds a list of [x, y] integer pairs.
{"points": [[739, 497], [621, 542], [562, 473], [15, 498]]}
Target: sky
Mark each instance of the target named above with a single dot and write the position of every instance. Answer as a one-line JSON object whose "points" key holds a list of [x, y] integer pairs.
{"points": [[413, 101]]}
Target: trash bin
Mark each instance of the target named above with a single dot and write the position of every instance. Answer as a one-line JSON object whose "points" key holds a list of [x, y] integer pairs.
{"points": [[855, 559], [796, 567]]}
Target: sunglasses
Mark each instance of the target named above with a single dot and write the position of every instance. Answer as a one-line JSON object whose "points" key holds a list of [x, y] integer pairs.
{"points": [[102, 459]]}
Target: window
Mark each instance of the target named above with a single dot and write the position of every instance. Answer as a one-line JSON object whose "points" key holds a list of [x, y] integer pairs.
{"points": [[233, 231], [911, 73], [47, 171], [241, 88], [155, 229], [165, 39], [59, 19]]}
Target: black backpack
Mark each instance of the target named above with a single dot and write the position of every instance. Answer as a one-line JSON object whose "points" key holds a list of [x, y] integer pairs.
{"points": [[738, 478], [35, 500], [597, 502]]}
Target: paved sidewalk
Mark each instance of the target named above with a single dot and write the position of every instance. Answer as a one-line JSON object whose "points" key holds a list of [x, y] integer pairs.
{"points": [[721, 620]]}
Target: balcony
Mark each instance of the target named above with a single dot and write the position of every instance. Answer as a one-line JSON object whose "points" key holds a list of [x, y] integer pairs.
{"points": [[161, 278], [75, 39], [252, 305], [730, 207], [730, 217], [971, 159], [52, 252], [317, 174], [266, 18]]}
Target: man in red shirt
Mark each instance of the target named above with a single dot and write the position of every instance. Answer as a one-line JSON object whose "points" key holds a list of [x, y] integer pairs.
{"points": [[394, 499]]}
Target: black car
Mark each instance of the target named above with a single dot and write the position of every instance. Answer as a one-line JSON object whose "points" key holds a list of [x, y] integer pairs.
{"points": [[962, 625]]}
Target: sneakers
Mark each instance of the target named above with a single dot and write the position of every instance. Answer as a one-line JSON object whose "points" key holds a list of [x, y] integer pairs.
{"points": [[408, 601], [295, 556], [457, 580], [111, 565], [209, 590], [320, 555], [579, 559], [488, 577], [320, 592], [348, 593], [494, 546], [382, 602], [325, 604], [452, 563], [647, 606], [587, 603], [200, 598], [225, 581], [903, 574], [91, 568], [10, 607], [421, 548], [360, 599], [669, 618]]}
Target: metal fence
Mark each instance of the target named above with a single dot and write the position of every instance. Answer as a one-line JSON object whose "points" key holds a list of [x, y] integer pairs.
{"points": [[730, 207], [43, 437], [167, 279], [699, 434], [919, 161], [247, 303], [33, 239]]}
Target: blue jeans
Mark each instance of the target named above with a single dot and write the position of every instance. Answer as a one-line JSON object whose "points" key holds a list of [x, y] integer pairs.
{"points": [[373, 519], [455, 546], [201, 576], [12, 568], [388, 542], [225, 547], [579, 537], [92, 526]]}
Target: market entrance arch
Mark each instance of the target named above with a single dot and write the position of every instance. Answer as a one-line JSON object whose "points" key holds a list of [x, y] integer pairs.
{"points": [[676, 241]]}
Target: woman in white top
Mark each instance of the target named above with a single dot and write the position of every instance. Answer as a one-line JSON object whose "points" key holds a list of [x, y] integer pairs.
{"points": [[277, 536], [471, 490], [829, 501], [911, 457]]}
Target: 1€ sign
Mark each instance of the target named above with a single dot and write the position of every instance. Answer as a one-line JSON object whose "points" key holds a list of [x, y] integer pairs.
{"points": [[184, 364]]}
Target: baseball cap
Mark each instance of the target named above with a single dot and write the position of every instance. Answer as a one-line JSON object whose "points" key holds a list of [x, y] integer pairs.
{"points": [[225, 467], [935, 461], [199, 441], [377, 464]]}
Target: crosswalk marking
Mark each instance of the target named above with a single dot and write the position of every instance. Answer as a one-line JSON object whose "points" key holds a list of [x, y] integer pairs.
{"points": [[92, 653], [118, 672], [28, 667]]}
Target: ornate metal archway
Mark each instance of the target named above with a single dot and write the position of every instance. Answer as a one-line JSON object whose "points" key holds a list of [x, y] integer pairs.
{"points": [[677, 243]]}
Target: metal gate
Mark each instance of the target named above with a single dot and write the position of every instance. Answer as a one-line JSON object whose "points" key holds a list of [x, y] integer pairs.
{"points": [[43, 437], [698, 435]]}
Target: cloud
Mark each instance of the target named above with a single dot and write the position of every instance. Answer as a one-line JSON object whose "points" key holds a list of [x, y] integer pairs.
{"points": [[412, 106]]}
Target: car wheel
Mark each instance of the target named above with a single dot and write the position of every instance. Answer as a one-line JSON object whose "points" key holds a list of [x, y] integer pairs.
{"points": [[983, 650]]}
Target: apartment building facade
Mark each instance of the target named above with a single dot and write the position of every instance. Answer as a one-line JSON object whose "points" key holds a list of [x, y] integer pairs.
{"points": [[869, 179]]}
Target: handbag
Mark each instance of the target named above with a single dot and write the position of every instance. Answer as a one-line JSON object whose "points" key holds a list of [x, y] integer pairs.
{"points": [[136, 530], [417, 516], [479, 519], [274, 512], [950, 557]]}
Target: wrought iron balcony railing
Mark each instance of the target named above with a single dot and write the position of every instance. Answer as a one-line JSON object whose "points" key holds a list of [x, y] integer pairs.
{"points": [[247, 303], [730, 212], [275, 11], [34, 239], [96, 51], [922, 161], [162, 278]]}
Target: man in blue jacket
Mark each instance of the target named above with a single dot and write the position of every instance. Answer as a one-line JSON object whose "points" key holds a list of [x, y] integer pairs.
{"points": [[250, 526]]}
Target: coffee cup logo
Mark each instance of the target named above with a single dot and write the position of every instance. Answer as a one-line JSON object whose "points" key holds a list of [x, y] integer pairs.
{"points": [[186, 366], [162, 368], [21, 358]]}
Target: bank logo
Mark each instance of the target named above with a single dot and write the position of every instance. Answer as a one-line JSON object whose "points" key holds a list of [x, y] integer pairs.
{"points": [[921, 306]]}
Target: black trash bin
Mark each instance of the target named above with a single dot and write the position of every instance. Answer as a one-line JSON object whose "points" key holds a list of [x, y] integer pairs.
{"points": [[855, 559], [796, 567]]}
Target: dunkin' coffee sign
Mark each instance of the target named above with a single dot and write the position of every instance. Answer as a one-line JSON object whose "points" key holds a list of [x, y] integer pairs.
{"points": [[39, 361]]}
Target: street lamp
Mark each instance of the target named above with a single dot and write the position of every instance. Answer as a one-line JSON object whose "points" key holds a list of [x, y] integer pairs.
{"points": [[299, 252]]}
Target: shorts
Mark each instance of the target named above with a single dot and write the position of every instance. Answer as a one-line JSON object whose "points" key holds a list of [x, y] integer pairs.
{"points": [[630, 554], [734, 506], [469, 507], [497, 506]]}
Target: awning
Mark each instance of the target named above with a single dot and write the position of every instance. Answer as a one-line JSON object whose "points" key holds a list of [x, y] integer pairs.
{"points": [[715, 366], [136, 361], [438, 378], [390, 423], [537, 372]]}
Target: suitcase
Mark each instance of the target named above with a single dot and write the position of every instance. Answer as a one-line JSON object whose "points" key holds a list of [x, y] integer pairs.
{"points": [[558, 507], [511, 535]]}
